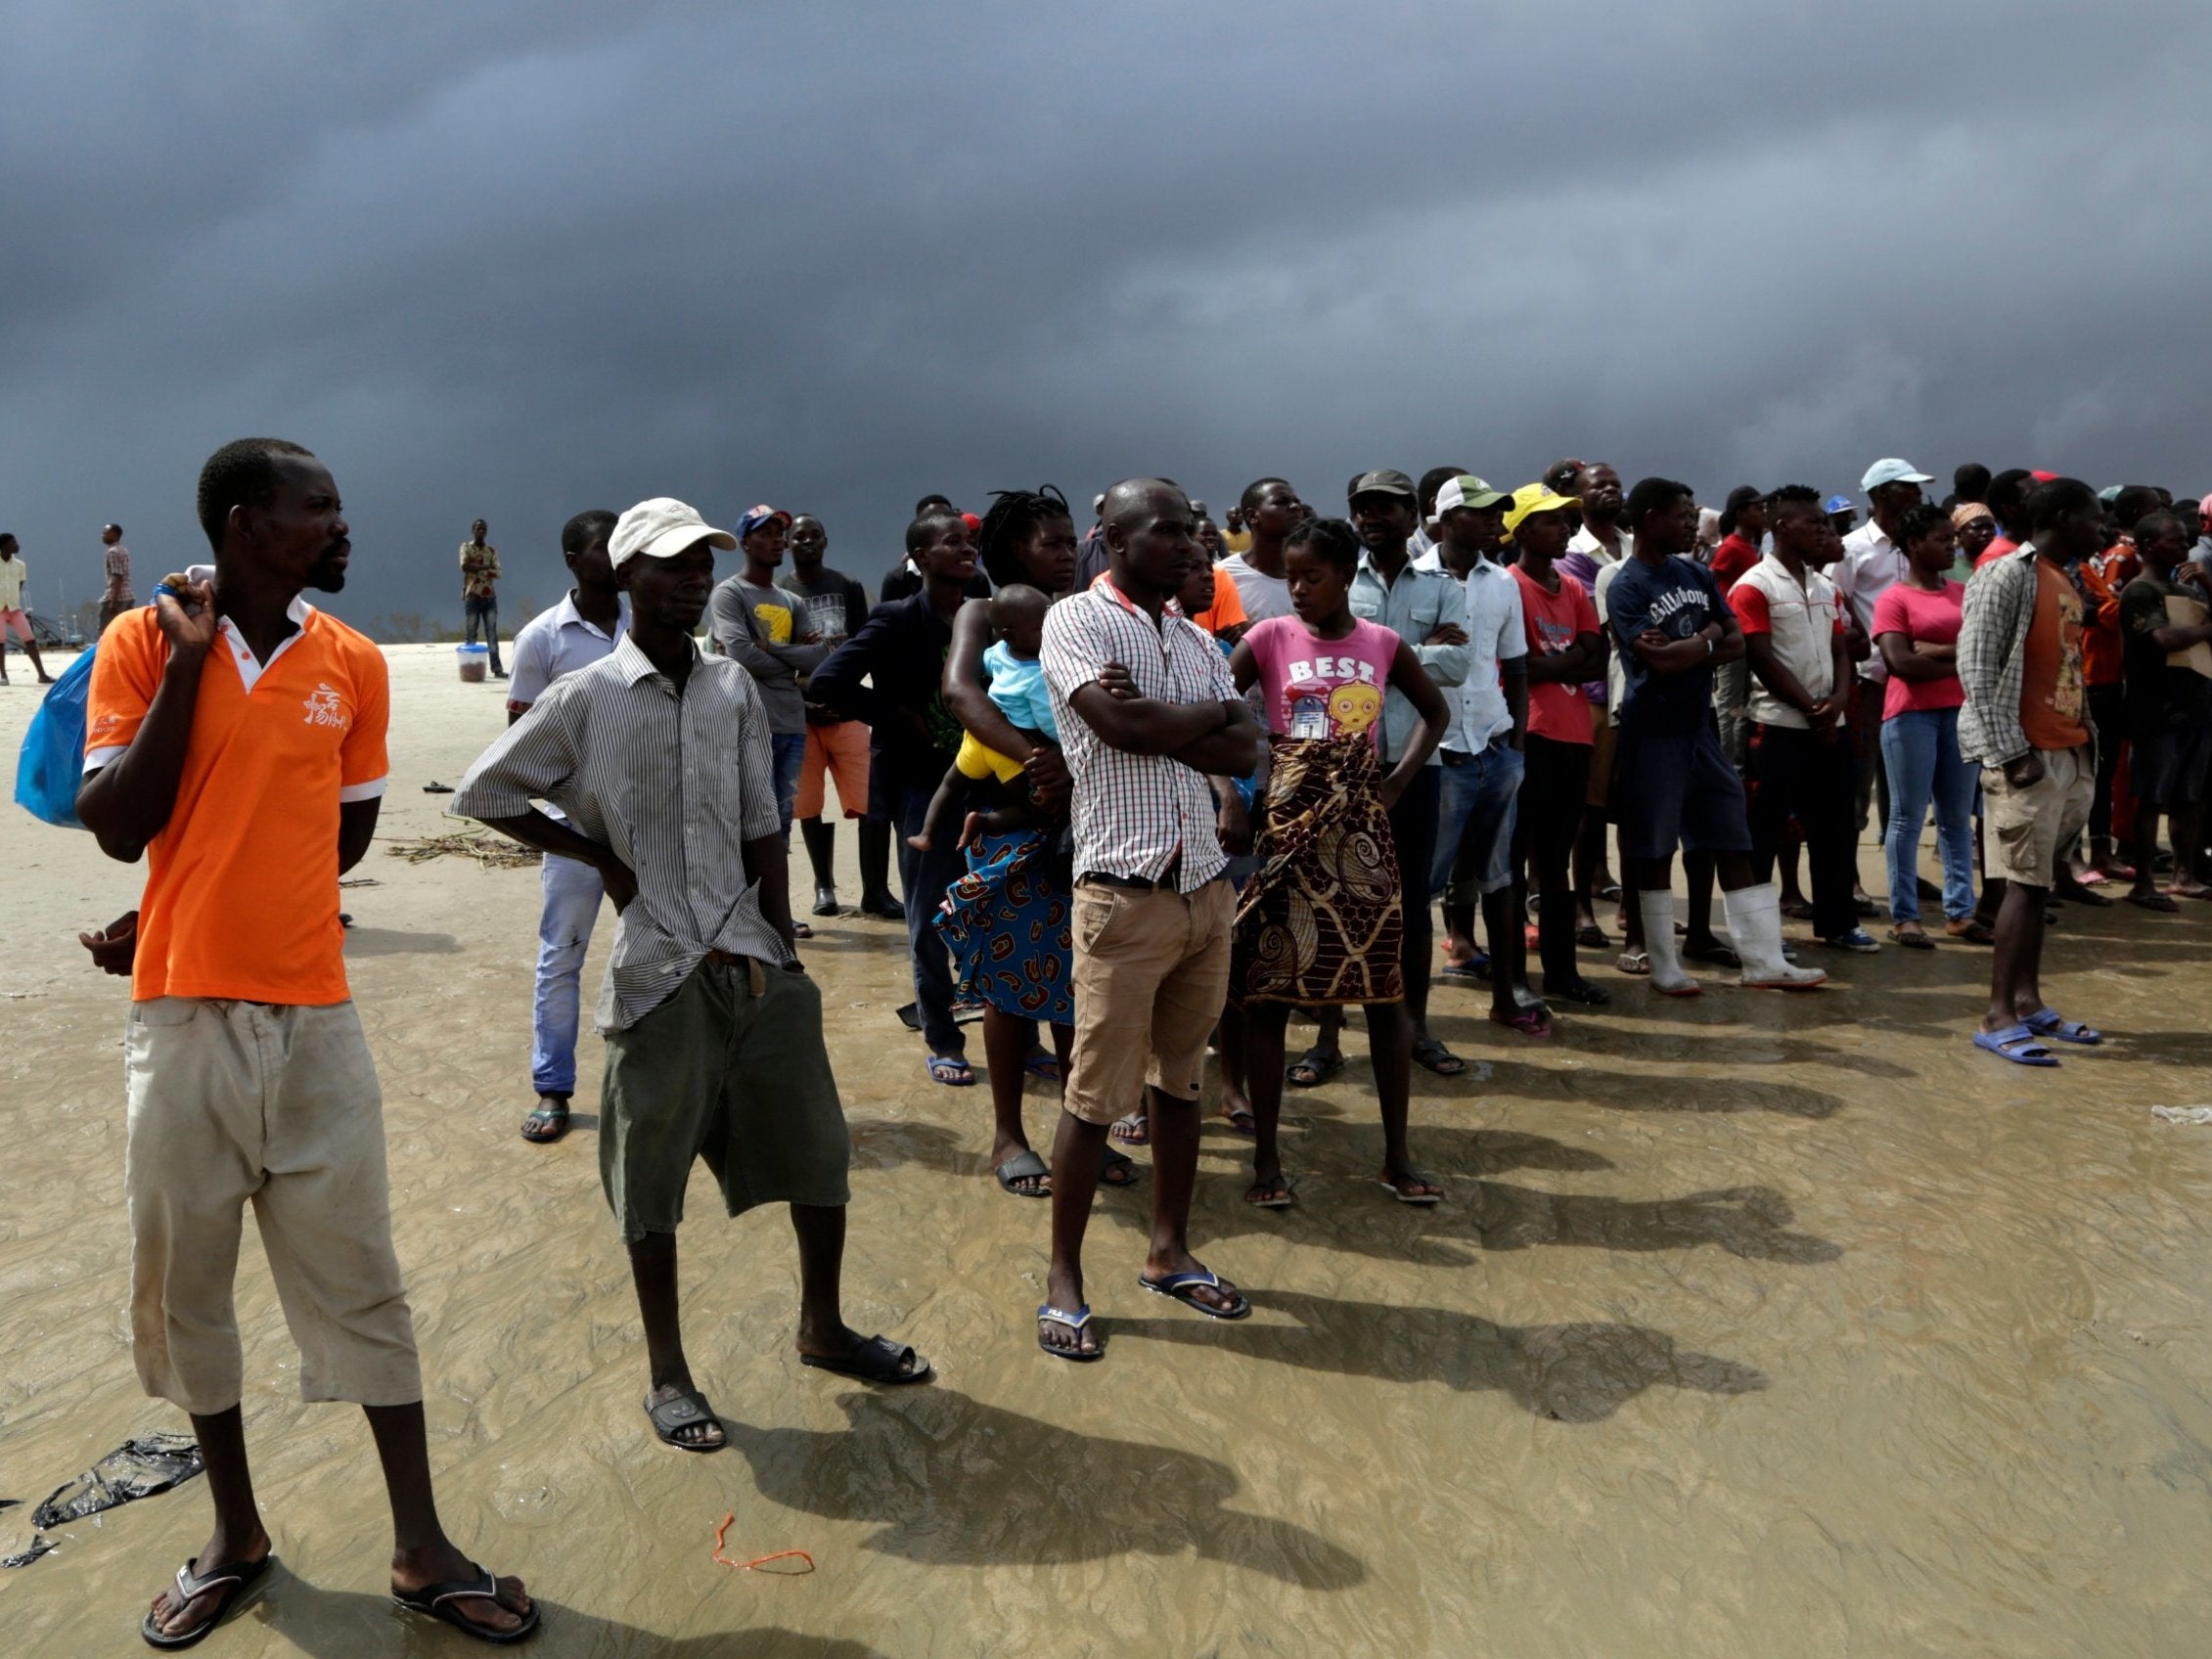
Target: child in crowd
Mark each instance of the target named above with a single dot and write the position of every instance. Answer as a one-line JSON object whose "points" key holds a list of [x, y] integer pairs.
{"points": [[1017, 686]]}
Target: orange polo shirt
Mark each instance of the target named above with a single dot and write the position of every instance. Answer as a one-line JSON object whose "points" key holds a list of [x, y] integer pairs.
{"points": [[2103, 578], [242, 883]]}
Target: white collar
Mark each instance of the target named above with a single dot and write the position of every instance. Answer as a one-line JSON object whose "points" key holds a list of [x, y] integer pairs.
{"points": [[567, 612], [250, 668]]}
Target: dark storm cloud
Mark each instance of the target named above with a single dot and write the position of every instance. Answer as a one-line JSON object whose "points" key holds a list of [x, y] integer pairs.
{"points": [[514, 261]]}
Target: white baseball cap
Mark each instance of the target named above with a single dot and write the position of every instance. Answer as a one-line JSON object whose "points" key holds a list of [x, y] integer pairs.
{"points": [[1893, 471], [661, 528]]}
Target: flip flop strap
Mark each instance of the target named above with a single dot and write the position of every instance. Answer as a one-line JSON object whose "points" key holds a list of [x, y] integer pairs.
{"points": [[192, 1589], [1073, 1321], [484, 1588]]}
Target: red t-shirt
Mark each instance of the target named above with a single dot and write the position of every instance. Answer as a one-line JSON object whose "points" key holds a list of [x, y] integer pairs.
{"points": [[1555, 709], [1732, 558], [1919, 614], [1998, 549]]}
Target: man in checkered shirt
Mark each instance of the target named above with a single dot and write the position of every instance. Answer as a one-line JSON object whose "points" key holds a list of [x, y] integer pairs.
{"points": [[1154, 732]]}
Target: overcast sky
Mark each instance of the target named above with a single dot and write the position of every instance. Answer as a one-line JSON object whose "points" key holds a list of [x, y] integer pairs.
{"points": [[518, 261]]}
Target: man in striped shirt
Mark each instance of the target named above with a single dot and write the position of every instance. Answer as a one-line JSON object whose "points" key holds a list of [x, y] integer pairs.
{"points": [[659, 758], [1153, 731]]}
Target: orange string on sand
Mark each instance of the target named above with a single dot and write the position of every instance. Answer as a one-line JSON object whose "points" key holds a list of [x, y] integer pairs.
{"points": [[758, 1561]]}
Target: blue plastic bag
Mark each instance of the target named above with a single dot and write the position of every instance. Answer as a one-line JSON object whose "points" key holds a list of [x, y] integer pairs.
{"points": [[51, 763]]}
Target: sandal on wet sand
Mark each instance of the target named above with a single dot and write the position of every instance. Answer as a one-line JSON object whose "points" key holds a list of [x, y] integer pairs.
{"points": [[233, 1580], [436, 1601], [1077, 1321], [1637, 963], [681, 1413], [1430, 1054], [1404, 1197], [1118, 1170], [1184, 1287], [1719, 953], [877, 1360], [1590, 937], [1277, 1194], [546, 1124], [1314, 1068], [950, 1070], [1132, 1129], [1023, 1166], [1916, 940], [1240, 1121], [2017, 1043], [1529, 1022], [2049, 1023], [1969, 930], [1044, 1066], [2162, 902]]}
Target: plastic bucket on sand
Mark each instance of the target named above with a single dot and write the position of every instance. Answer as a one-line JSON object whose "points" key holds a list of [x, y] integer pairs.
{"points": [[476, 662]]}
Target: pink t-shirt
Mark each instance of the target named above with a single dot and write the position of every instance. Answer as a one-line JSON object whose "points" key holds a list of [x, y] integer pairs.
{"points": [[1919, 614], [1317, 688]]}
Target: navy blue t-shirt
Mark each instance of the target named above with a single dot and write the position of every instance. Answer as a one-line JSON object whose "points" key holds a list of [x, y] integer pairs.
{"points": [[1678, 598]]}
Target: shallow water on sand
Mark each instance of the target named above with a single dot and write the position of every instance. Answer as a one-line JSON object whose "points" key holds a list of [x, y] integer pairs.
{"points": [[1752, 1326]]}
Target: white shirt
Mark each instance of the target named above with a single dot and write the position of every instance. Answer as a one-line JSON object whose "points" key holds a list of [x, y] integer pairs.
{"points": [[1802, 623], [12, 575], [1871, 566], [1585, 540], [1496, 634], [1263, 596], [560, 642]]}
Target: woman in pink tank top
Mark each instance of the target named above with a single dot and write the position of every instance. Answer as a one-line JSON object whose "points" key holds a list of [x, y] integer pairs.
{"points": [[1319, 923]]}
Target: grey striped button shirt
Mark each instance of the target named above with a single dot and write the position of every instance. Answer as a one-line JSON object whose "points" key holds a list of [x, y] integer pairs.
{"points": [[1134, 813], [674, 784]]}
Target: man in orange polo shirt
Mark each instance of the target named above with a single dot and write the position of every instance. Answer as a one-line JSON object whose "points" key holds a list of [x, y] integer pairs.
{"points": [[234, 734]]}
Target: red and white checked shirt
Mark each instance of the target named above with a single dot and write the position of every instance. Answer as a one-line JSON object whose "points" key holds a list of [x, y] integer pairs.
{"points": [[1134, 813]]}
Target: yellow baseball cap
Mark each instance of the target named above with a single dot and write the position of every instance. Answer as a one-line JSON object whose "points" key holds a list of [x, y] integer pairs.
{"points": [[1536, 498]]}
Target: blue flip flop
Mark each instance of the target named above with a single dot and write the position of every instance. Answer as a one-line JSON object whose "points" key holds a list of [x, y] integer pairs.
{"points": [[2017, 1043], [1074, 1321], [1184, 1287], [2049, 1023], [951, 1071]]}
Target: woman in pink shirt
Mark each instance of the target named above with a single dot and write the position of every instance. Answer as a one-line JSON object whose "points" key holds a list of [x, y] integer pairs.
{"points": [[1320, 922], [1916, 628]]}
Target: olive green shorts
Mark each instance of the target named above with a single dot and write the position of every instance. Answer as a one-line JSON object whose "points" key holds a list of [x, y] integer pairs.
{"points": [[739, 1079]]}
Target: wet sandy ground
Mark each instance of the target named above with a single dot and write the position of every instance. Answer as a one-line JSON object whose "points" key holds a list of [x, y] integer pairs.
{"points": [[1754, 1326]]}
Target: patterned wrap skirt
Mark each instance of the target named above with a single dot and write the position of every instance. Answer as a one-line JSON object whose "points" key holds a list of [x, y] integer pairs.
{"points": [[1320, 922], [1007, 925]]}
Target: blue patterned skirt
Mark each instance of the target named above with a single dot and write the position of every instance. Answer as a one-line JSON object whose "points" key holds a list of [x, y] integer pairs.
{"points": [[1006, 924]]}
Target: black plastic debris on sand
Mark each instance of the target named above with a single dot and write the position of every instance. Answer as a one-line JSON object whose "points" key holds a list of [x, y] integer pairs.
{"points": [[140, 1468], [23, 1558]]}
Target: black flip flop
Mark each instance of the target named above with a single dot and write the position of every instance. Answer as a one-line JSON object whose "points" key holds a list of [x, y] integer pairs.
{"points": [[878, 1360], [1184, 1287], [556, 1121], [436, 1601], [1117, 1164], [680, 1413], [1324, 1063], [1430, 1054], [1022, 1166], [234, 1579]]}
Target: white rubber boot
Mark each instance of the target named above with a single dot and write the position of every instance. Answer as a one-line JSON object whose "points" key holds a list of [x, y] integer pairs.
{"points": [[1667, 976], [1754, 922]]}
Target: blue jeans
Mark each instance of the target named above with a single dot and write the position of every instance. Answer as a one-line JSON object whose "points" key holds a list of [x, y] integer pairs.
{"points": [[572, 892], [786, 754], [924, 879], [484, 613], [1476, 815], [1920, 752]]}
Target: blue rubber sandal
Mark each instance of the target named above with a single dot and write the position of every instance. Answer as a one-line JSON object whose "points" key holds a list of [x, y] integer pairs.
{"points": [[1074, 1321], [1185, 1286], [2049, 1023], [952, 1071], [2017, 1043]]}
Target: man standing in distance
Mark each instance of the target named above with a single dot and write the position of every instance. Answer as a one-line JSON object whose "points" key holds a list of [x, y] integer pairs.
{"points": [[2168, 705], [1272, 510], [14, 618], [658, 756], [236, 737], [2026, 721], [900, 652], [1427, 610], [755, 624], [1154, 732], [114, 573], [1872, 564], [585, 626], [480, 591], [1601, 542], [1673, 785], [831, 608]]}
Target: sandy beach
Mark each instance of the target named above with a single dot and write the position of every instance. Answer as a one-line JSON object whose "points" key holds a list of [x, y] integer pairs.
{"points": [[1752, 1326]]}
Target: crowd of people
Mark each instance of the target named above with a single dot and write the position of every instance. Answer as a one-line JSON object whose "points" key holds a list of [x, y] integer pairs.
{"points": [[1151, 792]]}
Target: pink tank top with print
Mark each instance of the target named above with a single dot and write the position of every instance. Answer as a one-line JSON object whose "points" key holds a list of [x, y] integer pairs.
{"points": [[1317, 688]]}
